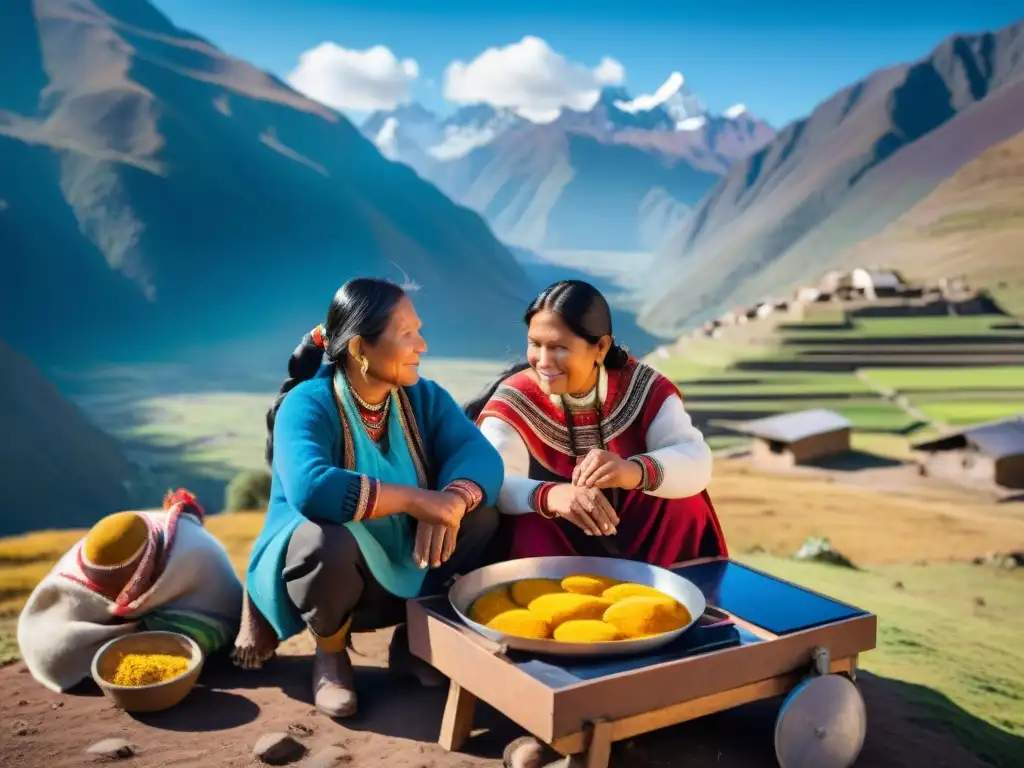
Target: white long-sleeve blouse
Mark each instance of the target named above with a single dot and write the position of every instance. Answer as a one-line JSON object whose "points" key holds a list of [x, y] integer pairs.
{"points": [[672, 441]]}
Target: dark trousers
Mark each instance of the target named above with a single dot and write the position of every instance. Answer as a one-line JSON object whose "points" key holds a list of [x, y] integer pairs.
{"points": [[327, 577]]}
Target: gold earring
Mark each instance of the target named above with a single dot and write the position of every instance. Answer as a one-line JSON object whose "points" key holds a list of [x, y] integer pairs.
{"points": [[364, 366]]}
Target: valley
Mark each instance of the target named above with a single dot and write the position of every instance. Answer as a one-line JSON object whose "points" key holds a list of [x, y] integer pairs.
{"points": [[173, 219]]}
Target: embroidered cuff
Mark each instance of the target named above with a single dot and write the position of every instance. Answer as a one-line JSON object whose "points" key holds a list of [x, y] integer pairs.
{"points": [[539, 500], [369, 491], [651, 470], [470, 492]]}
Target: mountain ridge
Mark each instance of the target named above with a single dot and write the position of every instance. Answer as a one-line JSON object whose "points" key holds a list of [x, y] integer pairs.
{"points": [[177, 187], [784, 214], [525, 178], [979, 208]]}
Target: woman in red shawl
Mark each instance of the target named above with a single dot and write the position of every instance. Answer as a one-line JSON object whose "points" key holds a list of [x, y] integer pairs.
{"points": [[600, 456]]}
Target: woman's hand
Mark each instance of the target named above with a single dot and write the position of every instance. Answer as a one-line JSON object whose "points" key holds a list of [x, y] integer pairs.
{"points": [[586, 508], [438, 508], [603, 469], [434, 544]]}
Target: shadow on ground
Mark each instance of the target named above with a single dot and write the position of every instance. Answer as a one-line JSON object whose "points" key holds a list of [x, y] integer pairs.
{"points": [[907, 724], [854, 461]]}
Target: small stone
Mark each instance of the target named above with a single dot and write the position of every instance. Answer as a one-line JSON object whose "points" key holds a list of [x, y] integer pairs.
{"points": [[278, 749], [21, 728], [897, 585], [58, 705], [329, 758], [820, 550], [1012, 560], [22, 703], [112, 749], [980, 602]]}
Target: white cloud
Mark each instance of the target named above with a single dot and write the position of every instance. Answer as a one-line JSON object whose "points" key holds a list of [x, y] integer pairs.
{"points": [[530, 78], [354, 80], [735, 111]]}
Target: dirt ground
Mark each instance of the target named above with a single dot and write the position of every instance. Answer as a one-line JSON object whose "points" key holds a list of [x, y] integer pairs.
{"points": [[872, 516], [222, 719]]}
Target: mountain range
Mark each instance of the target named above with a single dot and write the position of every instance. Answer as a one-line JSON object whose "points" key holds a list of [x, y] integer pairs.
{"points": [[796, 207], [616, 177], [163, 199]]}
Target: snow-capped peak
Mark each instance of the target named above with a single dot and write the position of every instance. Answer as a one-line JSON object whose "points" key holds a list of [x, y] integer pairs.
{"points": [[735, 111], [691, 123], [648, 101], [387, 138]]}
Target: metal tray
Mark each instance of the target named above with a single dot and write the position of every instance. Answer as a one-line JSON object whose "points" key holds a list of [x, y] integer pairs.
{"points": [[469, 587]]}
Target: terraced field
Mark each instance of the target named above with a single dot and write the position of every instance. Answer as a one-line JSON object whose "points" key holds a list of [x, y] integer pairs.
{"points": [[894, 378]]}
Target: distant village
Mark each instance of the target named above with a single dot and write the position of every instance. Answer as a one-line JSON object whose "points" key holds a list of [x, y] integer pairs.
{"points": [[882, 292], [986, 455]]}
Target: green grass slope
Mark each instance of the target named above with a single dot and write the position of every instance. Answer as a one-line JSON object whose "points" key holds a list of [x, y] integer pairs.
{"points": [[890, 376], [952, 630]]}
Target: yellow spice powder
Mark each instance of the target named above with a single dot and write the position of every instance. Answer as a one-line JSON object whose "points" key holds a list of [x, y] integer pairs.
{"points": [[135, 669]]}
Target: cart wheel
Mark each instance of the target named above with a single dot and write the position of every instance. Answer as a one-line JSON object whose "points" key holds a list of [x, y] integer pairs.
{"points": [[821, 724]]}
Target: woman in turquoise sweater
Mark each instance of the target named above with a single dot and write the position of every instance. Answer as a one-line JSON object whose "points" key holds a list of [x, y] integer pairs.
{"points": [[382, 490]]}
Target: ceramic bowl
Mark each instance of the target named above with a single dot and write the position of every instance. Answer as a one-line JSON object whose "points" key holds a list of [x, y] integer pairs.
{"points": [[147, 698]]}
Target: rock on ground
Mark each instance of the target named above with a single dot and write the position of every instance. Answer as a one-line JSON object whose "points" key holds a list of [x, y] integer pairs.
{"points": [[278, 749], [112, 749]]}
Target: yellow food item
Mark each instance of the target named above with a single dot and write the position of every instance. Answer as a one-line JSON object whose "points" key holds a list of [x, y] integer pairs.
{"points": [[628, 589], [115, 539], [640, 616], [565, 606], [526, 591], [586, 584], [586, 631], [490, 604], [522, 623], [135, 669]]}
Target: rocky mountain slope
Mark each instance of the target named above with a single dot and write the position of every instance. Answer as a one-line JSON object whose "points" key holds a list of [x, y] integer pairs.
{"points": [[863, 157], [616, 177], [161, 199], [57, 470], [971, 224]]}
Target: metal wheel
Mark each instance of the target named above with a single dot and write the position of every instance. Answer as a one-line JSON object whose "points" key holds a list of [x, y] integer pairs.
{"points": [[821, 724]]}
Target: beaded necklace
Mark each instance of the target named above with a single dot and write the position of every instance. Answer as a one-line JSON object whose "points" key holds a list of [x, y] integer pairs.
{"points": [[374, 418]]}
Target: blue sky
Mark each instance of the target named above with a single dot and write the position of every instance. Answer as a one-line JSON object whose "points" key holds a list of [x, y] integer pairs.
{"points": [[780, 59]]}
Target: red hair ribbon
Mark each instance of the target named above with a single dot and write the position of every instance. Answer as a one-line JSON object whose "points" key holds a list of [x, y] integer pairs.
{"points": [[318, 336], [184, 498]]}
